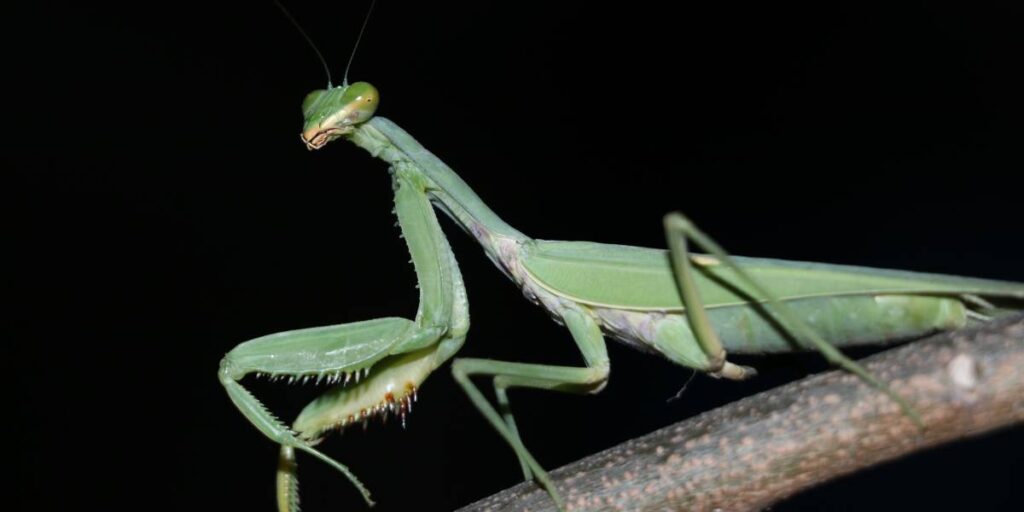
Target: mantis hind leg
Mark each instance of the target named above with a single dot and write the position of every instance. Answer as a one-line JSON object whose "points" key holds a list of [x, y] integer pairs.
{"points": [[677, 229], [589, 379]]}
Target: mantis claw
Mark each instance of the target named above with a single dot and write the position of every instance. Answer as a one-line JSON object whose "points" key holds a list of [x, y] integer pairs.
{"points": [[733, 371]]}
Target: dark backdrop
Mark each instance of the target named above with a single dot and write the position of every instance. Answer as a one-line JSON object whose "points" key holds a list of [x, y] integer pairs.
{"points": [[163, 209]]}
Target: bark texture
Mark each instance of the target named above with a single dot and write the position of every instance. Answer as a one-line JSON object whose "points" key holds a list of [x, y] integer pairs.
{"points": [[752, 453]]}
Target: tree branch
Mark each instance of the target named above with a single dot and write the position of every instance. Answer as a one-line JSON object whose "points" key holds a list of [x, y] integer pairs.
{"points": [[759, 450]]}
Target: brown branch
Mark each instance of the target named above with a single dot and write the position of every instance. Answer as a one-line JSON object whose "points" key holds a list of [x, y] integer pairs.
{"points": [[759, 450]]}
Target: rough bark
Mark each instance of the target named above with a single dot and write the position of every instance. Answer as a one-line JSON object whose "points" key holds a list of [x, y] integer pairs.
{"points": [[759, 450]]}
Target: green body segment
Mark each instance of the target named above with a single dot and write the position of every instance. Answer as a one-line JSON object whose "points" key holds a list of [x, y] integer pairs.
{"points": [[639, 278], [847, 305], [342, 405], [428, 248], [386, 140], [847, 320], [347, 347]]}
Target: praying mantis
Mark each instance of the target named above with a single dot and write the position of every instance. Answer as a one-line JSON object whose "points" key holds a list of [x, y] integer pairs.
{"points": [[689, 308]]}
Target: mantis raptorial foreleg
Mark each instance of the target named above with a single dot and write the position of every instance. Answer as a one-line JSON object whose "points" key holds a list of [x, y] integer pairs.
{"points": [[287, 480], [401, 352], [587, 334], [303, 353], [677, 229]]}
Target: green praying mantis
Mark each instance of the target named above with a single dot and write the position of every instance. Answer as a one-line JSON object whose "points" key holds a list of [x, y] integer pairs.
{"points": [[692, 309]]}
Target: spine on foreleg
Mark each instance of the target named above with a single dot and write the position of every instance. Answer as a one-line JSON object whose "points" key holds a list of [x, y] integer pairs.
{"points": [[842, 321]]}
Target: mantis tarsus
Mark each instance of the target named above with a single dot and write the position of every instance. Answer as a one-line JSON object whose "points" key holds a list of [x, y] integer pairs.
{"points": [[635, 295]]}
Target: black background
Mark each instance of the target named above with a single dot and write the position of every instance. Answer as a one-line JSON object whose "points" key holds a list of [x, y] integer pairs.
{"points": [[163, 210]]}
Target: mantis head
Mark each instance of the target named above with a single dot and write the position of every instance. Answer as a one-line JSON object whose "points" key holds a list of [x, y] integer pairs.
{"points": [[333, 112]]}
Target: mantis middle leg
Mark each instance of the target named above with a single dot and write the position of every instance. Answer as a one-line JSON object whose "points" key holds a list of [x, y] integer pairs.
{"points": [[590, 379]]}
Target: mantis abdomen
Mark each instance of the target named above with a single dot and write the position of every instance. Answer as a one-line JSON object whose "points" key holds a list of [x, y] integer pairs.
{"points": [[633, 292], [843, 320]]}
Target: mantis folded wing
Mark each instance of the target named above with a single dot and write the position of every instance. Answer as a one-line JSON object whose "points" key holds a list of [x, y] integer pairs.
{"points": [[686, 307]]}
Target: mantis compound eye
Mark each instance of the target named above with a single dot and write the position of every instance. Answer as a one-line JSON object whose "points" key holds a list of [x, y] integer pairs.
{"points": [[311, 101], [360, 100], [331, 113]]}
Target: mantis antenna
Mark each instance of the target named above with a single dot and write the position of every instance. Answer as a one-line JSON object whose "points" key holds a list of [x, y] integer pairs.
{"points": [[352, 56], [320, 56], [323, 62]]}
